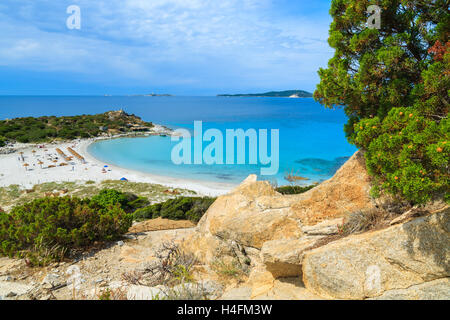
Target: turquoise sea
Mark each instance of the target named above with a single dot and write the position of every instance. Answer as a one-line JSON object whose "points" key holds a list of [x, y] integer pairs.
{"points": [[312, 141]]}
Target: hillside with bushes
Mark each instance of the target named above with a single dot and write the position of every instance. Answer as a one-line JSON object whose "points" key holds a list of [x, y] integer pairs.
{"points": [[48, 229], [48, 128]]}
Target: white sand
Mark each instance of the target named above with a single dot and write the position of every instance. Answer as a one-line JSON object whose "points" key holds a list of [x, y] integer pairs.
{"points": [[12, 170]]}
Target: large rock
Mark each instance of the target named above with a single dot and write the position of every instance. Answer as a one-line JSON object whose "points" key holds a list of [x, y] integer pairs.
{"points": [[370, 264], [254, 213], [261, 285], [287, 289], [347, 191], [250, 215], [433, 290], [136, 292], [283, 258], [242, 293], [10, 289], [325, 228], [52, 280]]}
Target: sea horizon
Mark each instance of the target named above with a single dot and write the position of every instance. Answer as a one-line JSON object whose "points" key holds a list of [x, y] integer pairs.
{"points": [[305, 128]]}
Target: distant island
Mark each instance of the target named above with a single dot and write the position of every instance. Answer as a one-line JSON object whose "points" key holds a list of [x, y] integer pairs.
{"points": [[275, 94]]}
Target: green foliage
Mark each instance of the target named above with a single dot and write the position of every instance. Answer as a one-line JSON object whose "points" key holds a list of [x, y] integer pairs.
{"points": [[62, 223], [110, 197], [294, 189], [183, 274], [373, 70], [182, 208], [407, 153], [128, 201], [394, 86], [42, 129], [135, 202], [432, 93], [105, 295]]}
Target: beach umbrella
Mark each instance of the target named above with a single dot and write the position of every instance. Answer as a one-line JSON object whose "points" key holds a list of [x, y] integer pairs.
{"points": [[26, 165], [124, 179]]}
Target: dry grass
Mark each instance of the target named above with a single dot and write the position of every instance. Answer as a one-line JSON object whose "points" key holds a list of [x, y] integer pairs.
{"points": [[185, 291], [171, 267], [365, 220], [228, 270], [356, 223]]}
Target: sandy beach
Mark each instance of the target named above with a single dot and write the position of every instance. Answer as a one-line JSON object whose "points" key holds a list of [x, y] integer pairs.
{"points": [[13, 171]]}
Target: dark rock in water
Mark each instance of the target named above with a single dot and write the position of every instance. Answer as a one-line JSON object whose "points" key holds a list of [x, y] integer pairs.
{"points": [[224, 176], [321, 166]]}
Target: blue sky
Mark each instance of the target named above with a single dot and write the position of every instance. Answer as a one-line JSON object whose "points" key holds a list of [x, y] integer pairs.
{"points": [[183, 47]]}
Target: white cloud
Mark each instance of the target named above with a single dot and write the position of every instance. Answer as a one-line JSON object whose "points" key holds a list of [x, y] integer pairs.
{"points": [[171, 41]]}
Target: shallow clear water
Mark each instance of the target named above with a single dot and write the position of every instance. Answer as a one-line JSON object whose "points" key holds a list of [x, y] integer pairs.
{"points": [[312, 141]]}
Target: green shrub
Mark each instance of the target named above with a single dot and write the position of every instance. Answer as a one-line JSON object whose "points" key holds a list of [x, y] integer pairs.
{"points": [[63, 223], [182, 208], [135, 202], [128, 201], [150, 212], [377, 73], [110, 197], [407, 153], [293, 189]]}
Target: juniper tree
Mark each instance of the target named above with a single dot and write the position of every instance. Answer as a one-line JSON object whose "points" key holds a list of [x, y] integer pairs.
{"points": [[375, 70], [393, 83]]}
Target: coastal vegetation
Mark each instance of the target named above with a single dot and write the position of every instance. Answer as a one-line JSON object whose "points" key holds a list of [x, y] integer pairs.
{"points": [[14, 195], [128, 201], [48, 128], [46, 229], [393, 83], [181, 208], [294, 189]]}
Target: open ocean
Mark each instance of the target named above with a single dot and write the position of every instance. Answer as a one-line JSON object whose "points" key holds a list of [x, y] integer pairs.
{"points": [[312, 140]]}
